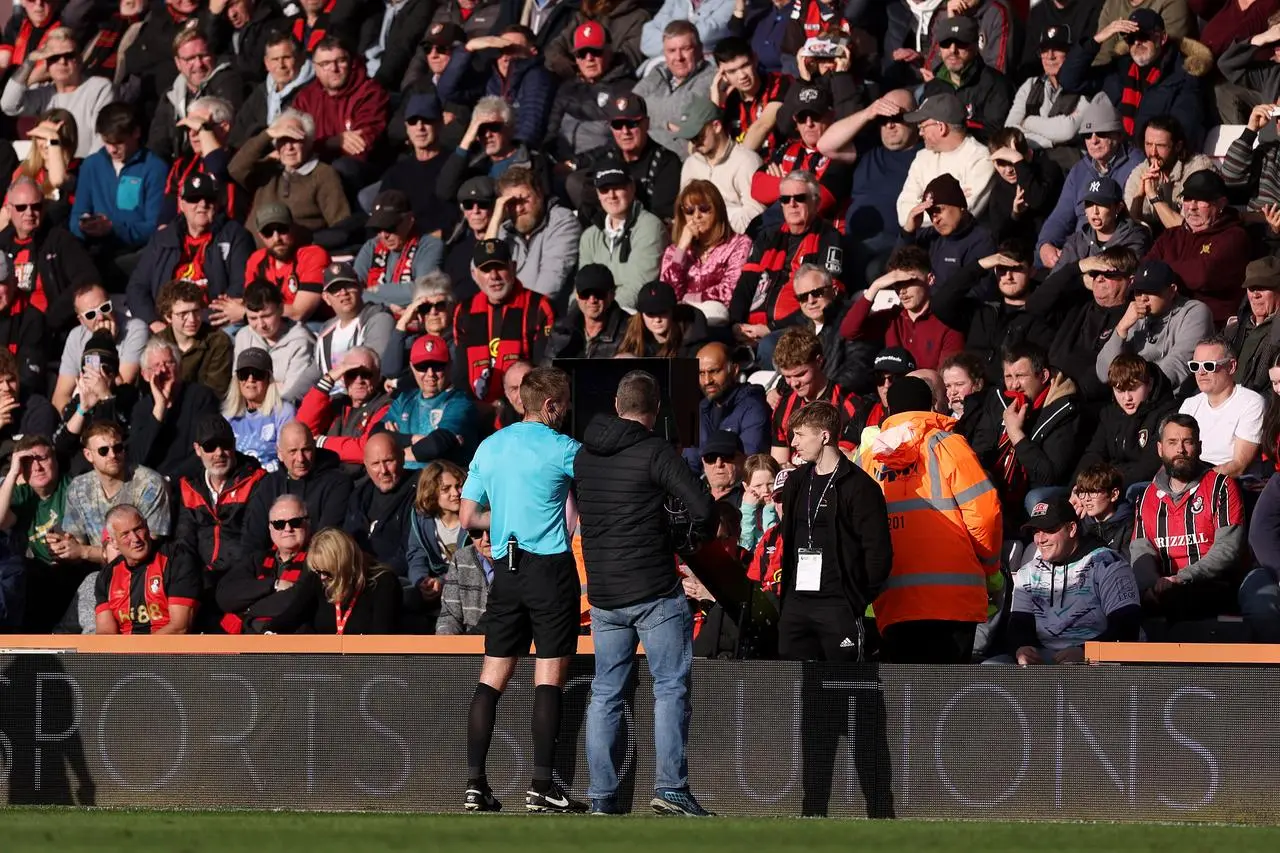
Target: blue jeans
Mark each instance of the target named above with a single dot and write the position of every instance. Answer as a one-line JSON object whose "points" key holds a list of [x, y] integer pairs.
{"points": [[1259, 598], [665, 626]]}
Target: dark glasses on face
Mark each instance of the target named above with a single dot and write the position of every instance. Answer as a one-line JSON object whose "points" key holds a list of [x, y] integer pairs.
{"points": [[113, 449], [886, 121], [1088, 136], [476, 204], [437, 48], [60, 57], [430, 307], [273, 230], [214, 444], [1003, 271], [417, 120], [716, 458], [884, 379], [624, 124], [489, 127], [589, 53], [815, 294], [793, 199], [1109, 275], [1131, 38], [477, 535], [691, 209], [296, 523], [244, 374], [104, 309], [587, 295], [23, 208], [424, 366], [357, 373]]}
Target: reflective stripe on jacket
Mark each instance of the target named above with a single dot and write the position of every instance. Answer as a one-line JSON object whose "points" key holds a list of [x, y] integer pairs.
{"points": [[944, 517]]}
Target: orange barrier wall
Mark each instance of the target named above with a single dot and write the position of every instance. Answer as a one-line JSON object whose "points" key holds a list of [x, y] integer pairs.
{"points": [[295, 644], [1183, 653]]}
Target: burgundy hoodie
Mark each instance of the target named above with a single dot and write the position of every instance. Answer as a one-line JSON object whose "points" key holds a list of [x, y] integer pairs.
{"points": [[360, 105]]}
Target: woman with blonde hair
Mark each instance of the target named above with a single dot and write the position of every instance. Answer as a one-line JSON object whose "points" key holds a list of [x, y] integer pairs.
{"points": [[705, 258], [52, 163], [360, 596], [254, 407]]}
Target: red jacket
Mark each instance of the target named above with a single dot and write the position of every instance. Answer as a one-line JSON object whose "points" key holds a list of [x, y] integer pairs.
{"points": [[928, 339], [360, 105], [317, 412], [1211, 263]]}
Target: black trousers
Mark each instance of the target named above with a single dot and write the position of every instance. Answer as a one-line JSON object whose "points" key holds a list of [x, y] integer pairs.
{"points": [[820, 629], [928, 641]]}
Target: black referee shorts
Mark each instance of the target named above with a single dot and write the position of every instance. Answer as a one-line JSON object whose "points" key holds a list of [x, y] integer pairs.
{"points": [[538, 602]]}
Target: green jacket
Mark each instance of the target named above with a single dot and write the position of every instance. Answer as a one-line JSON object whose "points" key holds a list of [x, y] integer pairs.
{"points": [[634, 260]]}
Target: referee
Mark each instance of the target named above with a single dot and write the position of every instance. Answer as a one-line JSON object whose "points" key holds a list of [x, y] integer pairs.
{"points": [[516, 488]]}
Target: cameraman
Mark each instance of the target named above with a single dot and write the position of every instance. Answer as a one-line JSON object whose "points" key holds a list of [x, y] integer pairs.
{"points": [[623, 475]]}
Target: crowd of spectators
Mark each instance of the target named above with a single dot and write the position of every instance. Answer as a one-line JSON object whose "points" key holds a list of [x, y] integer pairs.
{"points": [[271, 272]]}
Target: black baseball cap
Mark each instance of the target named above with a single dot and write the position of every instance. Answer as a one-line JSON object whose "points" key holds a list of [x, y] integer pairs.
{"points": [[721, 443], [1148, 20], [1051, 515], [213, 429], [1204, 185], [423, 105], [1154, 277], [1058, 35], [808, 98], [199, 186], [1103, 190], [339, 273], [389, 210], [594, 278], [479, 188], [656, 298], [490, 252], [959, 28], [895, 360], [611, 176], [444, 34], [103, 345], [626, 105]]}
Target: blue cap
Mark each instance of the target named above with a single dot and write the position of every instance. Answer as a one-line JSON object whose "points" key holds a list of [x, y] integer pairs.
{"points": [[423, 105]]}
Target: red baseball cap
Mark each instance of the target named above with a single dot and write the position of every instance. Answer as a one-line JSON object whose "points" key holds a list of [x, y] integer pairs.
{"points": [[430, 348], [589, 34]]}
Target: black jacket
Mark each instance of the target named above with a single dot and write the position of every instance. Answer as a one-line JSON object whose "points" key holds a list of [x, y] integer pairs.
{"points": [[22, 330], [224, 264], [251, 118], [985, 93], [578, 121], [325, 490], [1082, 327], [63, 264], [1129, 441], [35, 416], [248, 47], [248, 591], [149, 57], [569, 340], [622, 477], [166, 446], [860, 545], [1116, 532], [1041, 182], [459, 167], [846, 363], [656, 174], [407, 28], [379, 522], [166, 139], [214, 530], [987, 327], [1051, 443], [1256, 346]]}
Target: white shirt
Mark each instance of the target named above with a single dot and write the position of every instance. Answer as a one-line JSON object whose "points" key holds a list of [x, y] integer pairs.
{"points": [[1239, 416], [732, 176]]}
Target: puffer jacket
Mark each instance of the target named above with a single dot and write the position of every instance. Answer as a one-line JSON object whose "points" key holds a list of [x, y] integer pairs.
{"points": [[214, 527], [623, 475], [578, 121], [939, 501], [1129, 441]]}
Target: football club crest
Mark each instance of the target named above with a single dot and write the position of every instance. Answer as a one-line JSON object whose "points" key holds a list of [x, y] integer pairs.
{"points": [[1143, 435]]}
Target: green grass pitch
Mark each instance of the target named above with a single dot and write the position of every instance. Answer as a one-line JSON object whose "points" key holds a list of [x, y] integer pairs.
{"points": [[71, 831]]}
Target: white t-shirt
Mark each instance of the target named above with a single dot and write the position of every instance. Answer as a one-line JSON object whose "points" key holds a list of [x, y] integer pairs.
{"points": [[1240, 416]]}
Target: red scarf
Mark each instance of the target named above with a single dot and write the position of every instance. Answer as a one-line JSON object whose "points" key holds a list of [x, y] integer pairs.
{"points": [[403, 272], [1134, 85], [191, 265], [1013, 477]]}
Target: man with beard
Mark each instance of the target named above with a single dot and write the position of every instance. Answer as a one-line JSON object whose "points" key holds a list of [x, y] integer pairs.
{"points": [[984, 91], [1211, 249], [714, 156], [212, 501], [728, 405], [1228, 414], [344, 423], [202, 245], [595, 330], [516, 488], [809, 108], [1159, 76], [399, 253], [542, 235], [49, 264], [1189, 536], [296, 271], [378, 515]]}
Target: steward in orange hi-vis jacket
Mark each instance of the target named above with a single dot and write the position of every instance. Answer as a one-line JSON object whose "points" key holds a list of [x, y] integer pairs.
{"points": [[944, 520]]}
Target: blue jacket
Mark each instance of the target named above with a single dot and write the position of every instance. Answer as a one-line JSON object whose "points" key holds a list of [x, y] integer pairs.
{"points": [[224, 264], [952, 253], [441, 420], [1180, 91], [878, 176], [422, 551], [132, 200], [742, 410], [530, 89], [256, 434], [1068, 213]]}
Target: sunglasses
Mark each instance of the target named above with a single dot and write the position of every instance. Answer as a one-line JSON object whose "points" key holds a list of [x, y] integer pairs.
{"points": [[424, 366], [691, 209], [802, 198], [431, 307], [1004, 164], [716, 458], [589, 53], [953, 43], [808, 118], [244, 374], [477, 204], [339, 286], [358, 373], [1003, 271], [587, 295], [884, 379], [438, 48], [812, 295], [1109, 275], [1207, 366], [60, 57], [296, 523], [886, 121], [23, 208], [490, 127], [1097, 136], [273, 230], [624, 124], [113, 449], [214, 444], [104, 310], [477, 535]]}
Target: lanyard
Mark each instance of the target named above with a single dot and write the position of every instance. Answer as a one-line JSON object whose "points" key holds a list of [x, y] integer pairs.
{"points": [[810, 510], [341, 618]]}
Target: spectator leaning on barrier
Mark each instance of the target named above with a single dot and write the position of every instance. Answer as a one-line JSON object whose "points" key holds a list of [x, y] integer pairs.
{"points": [[1228, 414], [1071, 590], [1190, 532], [946, 529], [145, 588], [517, 487], [837, 548], [624, 475]]}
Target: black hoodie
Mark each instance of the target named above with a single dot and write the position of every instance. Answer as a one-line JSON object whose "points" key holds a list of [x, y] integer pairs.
{"points": [[379, 521], [622, 478], [325, 490], [1129, 441]]}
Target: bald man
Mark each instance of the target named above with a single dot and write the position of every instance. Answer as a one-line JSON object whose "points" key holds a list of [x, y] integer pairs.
{"points": [[312, 473], [510, 409], [934, 380], [380, 507], [728, 404], [144, 589]]}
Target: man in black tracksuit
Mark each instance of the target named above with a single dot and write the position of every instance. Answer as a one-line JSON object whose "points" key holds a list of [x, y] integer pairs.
{"points": [[310, 473], [623, 477]]}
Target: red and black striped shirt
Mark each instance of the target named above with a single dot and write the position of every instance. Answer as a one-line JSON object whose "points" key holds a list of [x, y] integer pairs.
{"points": [[1182, 529]]}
